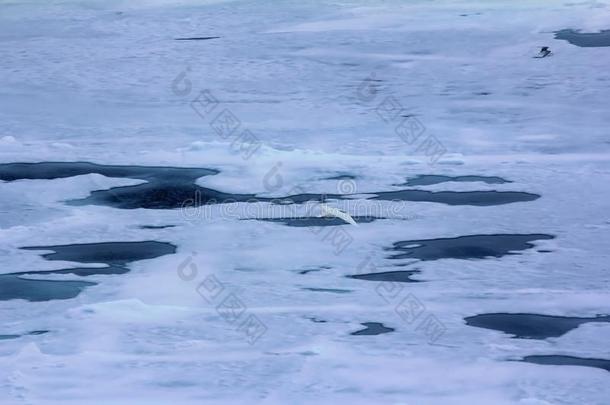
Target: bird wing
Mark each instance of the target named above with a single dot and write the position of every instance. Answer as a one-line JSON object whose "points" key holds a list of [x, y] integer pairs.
{"points": [[327, 211]]}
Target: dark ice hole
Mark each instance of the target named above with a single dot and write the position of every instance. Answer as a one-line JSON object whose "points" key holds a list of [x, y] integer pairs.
{"points": [[57, 170], [161, 196], [465, 247], [584, 39], [195, 38], [476, 198], [174, 187], [116, 255], [372, 328], [341, 177], [166, 187], [81, 271], [328, 290], [427, 180], [314, 269], [530, 326], [559, 360], [7, 337], [398, 276], [316, 320], [13, 287], [32, 333], [38, 332]]}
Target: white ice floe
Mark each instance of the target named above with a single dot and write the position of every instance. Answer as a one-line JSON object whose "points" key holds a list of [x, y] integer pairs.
{"points": [[97, 81]]}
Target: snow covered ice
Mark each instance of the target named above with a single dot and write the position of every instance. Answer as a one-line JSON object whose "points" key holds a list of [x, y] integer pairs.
{"points": [[476, 171]]}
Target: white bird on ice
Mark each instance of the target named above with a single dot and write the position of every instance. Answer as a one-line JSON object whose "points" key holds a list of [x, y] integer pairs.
{"points": [[327, 211]]}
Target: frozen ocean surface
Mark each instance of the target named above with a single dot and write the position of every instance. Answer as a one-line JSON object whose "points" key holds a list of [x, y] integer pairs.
{"points": [[476, 171]]}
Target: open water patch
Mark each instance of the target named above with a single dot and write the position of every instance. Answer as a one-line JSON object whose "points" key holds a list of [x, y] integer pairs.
{"points": [[372, 329], [465, 247], [584, 39]]}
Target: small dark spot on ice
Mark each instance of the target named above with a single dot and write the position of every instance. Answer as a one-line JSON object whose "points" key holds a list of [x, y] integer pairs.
{"points": [[560, 360], [327, 290], [309, 271], [390, 276], [316, 320], [341, 177], [156, 226], [32, 333], [195, 38], [372, 329]]}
